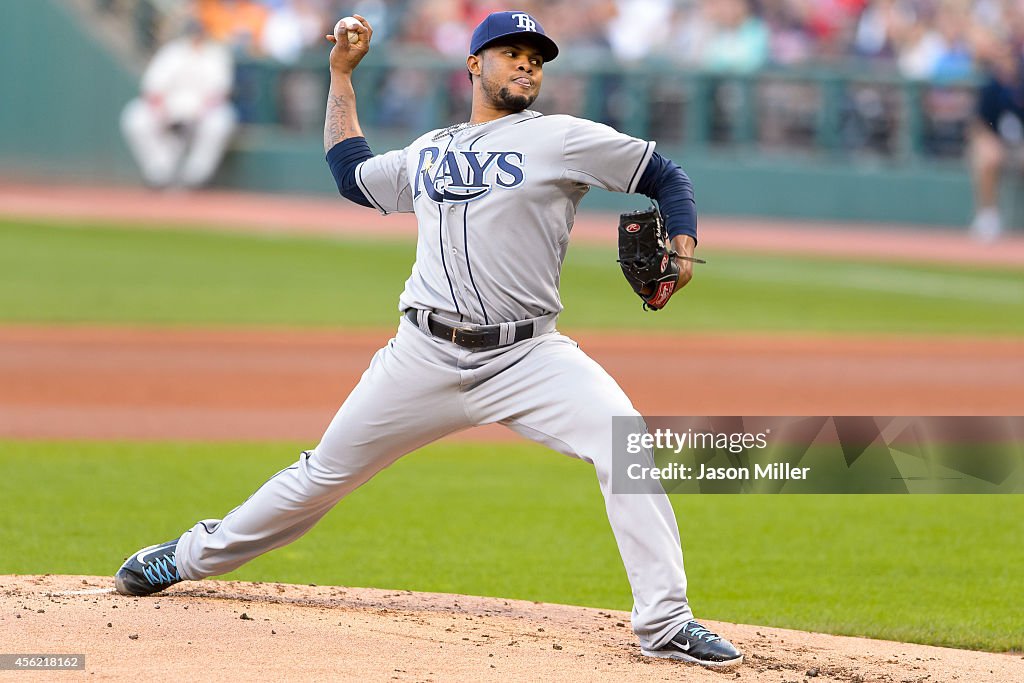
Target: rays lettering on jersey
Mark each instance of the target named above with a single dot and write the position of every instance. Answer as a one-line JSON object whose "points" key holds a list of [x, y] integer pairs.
{"points": [[464, 176]]}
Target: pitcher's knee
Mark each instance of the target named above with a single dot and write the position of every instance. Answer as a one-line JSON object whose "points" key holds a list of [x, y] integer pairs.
{"points": [[333, 480]]}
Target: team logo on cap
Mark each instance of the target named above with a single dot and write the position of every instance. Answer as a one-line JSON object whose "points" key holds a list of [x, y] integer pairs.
{"points": [[525, 22]]}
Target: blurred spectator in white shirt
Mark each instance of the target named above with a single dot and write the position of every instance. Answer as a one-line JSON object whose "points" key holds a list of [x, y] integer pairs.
{"points": [[179, 127]]}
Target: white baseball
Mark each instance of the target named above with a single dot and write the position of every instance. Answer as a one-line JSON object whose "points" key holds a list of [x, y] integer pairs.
{"points": [[347, 25]]}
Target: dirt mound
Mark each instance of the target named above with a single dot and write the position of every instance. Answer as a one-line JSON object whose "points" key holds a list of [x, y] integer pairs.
{"points": [[229, 630]]}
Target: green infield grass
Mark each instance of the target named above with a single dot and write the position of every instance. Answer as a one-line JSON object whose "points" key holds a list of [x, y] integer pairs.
{"points": [[91, 274], [518, 521]]}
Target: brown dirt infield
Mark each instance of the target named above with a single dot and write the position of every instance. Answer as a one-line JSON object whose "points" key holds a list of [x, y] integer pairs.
{"points": [[111, 383], [228, 631]]}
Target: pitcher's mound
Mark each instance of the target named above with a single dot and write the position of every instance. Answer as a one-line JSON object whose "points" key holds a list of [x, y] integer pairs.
{"points": [[230, 630]]}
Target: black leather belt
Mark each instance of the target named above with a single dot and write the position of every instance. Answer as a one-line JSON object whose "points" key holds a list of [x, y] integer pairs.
{"points": [[470, 336]]}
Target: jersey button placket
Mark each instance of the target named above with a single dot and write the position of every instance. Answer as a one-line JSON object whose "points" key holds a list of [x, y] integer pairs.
{"points": [[469, 290], [452, 235], [460, 274], [455, 267]]}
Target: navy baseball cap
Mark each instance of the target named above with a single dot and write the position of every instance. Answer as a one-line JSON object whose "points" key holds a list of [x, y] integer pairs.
{"points": [[504, 24]]}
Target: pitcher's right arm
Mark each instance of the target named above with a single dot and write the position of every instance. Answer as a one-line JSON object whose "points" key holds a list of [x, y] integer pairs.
{"points": [[341, 122], [344, 143]]}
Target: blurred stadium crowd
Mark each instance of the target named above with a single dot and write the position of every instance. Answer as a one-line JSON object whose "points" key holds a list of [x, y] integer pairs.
{"points": [[930, 39], [969, 52]]}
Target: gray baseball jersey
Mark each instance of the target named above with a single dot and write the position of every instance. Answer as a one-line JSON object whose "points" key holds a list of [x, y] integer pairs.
{"points": [[495, 204]]}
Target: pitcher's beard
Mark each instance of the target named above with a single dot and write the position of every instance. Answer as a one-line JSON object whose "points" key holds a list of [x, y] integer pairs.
{"points": [[504, 98], [515, 103]]}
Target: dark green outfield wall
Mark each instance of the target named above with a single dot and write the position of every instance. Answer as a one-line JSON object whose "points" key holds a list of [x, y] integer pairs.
{"points": [[61, 96], [63, 92]]}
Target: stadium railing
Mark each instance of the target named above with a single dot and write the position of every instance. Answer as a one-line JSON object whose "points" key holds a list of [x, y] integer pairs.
{"points": [[814, 112]]}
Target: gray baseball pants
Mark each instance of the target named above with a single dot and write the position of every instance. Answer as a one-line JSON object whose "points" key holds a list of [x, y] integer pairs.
{"points": [[418, 389]]}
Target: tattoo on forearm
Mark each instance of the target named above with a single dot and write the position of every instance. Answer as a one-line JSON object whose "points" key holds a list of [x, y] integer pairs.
{"points": [[337, 123]]}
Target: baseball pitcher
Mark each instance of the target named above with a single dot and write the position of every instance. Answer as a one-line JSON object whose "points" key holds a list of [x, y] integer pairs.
{"points": [[495, 199]]}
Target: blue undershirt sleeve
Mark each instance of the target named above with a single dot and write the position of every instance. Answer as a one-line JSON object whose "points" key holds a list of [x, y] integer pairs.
{"points": [[666, 183], [343, 159]]}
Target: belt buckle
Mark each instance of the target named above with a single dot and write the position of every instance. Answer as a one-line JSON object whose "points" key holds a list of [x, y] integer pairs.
{"points": [[469, 334]]}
